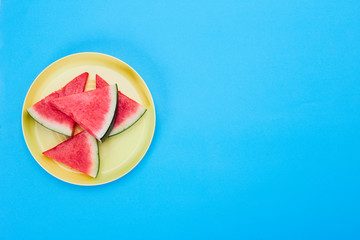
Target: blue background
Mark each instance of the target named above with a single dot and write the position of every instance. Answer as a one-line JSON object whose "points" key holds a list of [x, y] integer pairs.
{"points": [[257, 133]]}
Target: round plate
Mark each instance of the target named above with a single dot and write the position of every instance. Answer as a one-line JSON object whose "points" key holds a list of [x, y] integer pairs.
{"points": [[118, 154]]}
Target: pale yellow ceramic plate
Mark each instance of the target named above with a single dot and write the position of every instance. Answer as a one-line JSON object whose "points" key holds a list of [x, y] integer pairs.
{"points": [[118, 154]]}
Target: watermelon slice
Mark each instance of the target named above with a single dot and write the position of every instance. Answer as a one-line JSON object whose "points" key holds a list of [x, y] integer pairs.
{"points": [[128, 111], [50, 117], [93, 110], [79, 152]]}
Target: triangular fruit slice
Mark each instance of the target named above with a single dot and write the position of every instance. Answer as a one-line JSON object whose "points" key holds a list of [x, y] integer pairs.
{"points": [[79, 152], [50, 117], [93, 110], [128, 111]]}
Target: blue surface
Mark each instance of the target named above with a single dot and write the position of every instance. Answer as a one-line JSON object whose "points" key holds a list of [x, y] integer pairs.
{"points": [[258, 112]]}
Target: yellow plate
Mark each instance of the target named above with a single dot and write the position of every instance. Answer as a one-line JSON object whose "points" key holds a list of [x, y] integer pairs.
{"points": [[118, 154]]}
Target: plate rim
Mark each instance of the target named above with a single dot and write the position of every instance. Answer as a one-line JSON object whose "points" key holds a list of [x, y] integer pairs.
{"points": [[151, 101]]}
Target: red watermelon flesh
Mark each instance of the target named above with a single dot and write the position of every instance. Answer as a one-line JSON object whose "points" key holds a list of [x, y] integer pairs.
{"points": [[79, 152], [93, 110], [50, 117], [128, 110]]}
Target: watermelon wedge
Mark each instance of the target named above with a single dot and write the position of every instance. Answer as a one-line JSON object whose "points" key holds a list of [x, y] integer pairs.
{"points": [[128, 111], [50, 117], [93, 110], [79, 152]]}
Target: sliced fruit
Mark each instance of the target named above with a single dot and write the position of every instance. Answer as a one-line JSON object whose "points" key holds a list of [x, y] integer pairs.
{"points": [[50, 117], [93, 110], [80, 152], [128, 110]]}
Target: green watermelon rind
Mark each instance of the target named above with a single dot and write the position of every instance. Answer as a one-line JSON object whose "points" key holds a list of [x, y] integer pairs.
{"points": [[37, 118], [96, 164], [115, 93], [98, 154], [115, 132]]}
